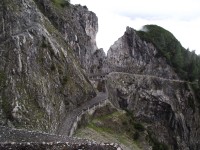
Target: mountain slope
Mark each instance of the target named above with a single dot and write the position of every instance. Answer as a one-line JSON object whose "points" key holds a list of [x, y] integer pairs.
{"points": [[185, 63], [47, 49], [77, 25], [40, 78], [166, 108], [147, 78], [132, 54]]}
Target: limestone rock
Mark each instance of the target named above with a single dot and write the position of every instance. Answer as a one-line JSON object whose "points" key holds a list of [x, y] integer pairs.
{"points": [[99, 62], [167, 108], [40, 78], [130, 54], [78, 27]]}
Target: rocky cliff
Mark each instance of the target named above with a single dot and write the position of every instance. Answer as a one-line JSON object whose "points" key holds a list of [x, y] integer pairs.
{"points": [[132, 54], [99, 63], [48, 52], [142, 82], [167, 108], [78, 27], [146, 86], [40, 77]]}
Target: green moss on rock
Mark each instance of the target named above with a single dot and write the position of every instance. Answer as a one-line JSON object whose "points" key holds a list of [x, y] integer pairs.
{"points": [[61, 3]]}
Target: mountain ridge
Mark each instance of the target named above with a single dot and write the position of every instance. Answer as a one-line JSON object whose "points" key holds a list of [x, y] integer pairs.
{"points": [[50, 65]]}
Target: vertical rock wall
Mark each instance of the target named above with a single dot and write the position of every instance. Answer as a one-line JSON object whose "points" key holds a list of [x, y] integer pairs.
{"points": [[40, 78], [78, 27], [130, 54], [167, 108]]}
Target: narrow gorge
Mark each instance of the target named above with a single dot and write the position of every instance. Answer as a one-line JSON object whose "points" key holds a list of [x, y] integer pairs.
{"points": [[56, 83]]}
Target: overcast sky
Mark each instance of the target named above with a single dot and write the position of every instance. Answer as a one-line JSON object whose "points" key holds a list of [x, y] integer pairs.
{"points": [[181, 17]]}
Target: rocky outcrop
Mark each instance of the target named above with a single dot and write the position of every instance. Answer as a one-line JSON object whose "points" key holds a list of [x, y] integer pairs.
{"points": [[40, 79], [78, 27], [167, 108], [99, 63], [133, 55]]}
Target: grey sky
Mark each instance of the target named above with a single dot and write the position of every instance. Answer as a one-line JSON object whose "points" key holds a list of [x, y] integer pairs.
{"points": [[181, 17]]}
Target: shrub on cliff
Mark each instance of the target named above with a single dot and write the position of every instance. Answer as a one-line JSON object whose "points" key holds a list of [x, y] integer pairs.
{"points": [[185, 63], [61, 3]]}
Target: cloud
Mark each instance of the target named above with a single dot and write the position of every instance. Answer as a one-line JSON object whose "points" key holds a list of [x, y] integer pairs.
{"points": [[187, 32], [112, 30], [181, 17]]}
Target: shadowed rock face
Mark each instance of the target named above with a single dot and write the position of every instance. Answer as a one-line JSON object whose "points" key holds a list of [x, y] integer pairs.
{"points": [[98, 63], [130, 54], [40, 79], [167, 107]]}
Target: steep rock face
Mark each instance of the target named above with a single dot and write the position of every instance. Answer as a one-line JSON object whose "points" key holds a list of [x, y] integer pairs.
{"points": [[77, 25], [99, 63], [130, 54], [167, 108], [40, 80]]}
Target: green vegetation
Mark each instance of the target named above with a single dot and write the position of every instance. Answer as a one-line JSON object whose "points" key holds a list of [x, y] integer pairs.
{"points": [[186, 63], [7, 108], [159, 146], [136, 135], [61, 3], [44, 43], [139, 127], [66, 79], [156, 145], [121, 125], [100, 129], [12, 5], [113, 126], [133, 128]]}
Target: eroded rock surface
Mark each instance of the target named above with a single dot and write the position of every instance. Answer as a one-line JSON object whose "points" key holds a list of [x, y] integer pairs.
{"points": [[78, 27], [99, 63], [133, 55], [47, 50], [167, 108], [40, 79]]}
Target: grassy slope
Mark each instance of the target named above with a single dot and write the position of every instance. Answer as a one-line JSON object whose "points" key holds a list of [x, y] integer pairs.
{"points": [[113, 127], [90, 133]]}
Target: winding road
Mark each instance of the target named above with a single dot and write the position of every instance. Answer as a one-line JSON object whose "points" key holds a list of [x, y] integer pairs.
{"points": [[151, 76], [23, 139], [66, 125], [8, 135]]}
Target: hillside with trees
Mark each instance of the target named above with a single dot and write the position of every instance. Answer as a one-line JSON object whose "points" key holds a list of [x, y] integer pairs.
{"points": [[185, 62]]}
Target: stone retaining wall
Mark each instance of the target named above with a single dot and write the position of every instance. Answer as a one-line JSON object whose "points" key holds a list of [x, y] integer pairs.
{"points": [[58, 146], [89, 111]]}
